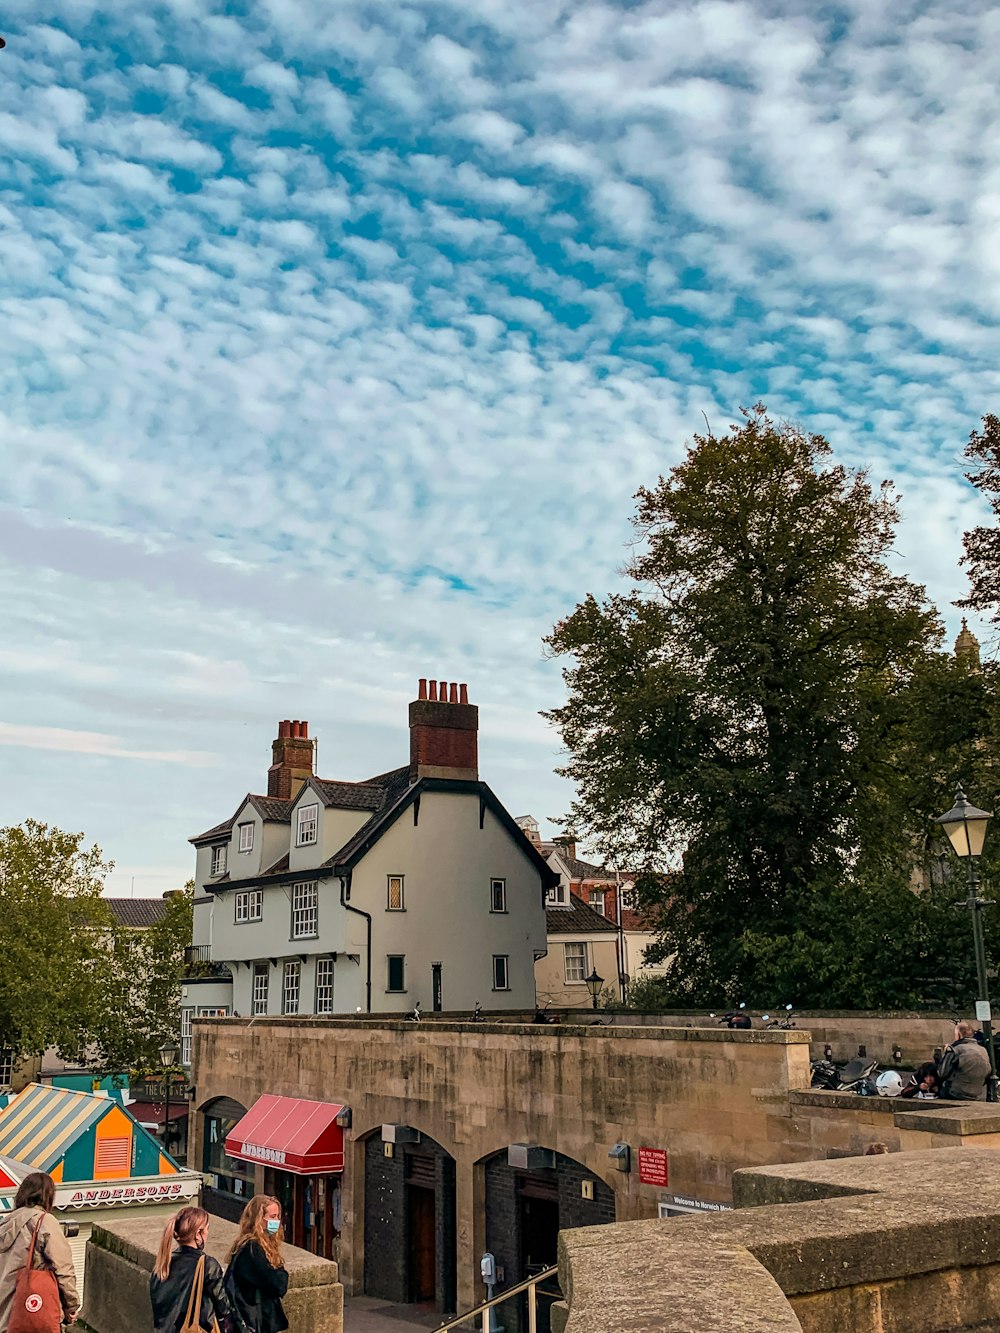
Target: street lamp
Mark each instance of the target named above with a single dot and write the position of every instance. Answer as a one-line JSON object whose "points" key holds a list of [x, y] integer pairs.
{"points": [[594, 984], [966, 829], [168, 1058]]}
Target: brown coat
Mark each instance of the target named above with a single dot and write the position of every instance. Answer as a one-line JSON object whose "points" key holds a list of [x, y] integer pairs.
{"points": [[51, 1251]]}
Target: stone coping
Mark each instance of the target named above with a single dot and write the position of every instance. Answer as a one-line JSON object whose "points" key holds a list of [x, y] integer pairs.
{"points": [[137, 1240], [585, 1028], [961, 1119], [839, 1224]]}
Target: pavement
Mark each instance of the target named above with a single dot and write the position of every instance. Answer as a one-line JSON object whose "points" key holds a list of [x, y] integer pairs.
{"points": [[365, 1314]]}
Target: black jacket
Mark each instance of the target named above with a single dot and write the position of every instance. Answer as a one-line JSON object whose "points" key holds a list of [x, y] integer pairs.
{"points": [[256, 1289], [170, 1295]]}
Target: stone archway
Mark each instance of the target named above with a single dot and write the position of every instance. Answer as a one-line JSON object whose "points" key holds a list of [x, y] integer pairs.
{"points": [[233, 1179], [409, 1213], [529, 1198]]}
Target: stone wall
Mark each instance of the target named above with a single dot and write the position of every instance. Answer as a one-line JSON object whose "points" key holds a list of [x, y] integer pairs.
{"points": [[120, 1258], [907, 1241]]}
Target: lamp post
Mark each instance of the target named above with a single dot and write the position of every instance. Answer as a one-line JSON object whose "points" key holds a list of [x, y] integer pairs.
{"points": [[966, 829], [168, 1058], [594, 984]]}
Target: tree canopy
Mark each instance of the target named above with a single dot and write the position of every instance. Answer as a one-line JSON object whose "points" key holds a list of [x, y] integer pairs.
{"points": [[757, 714], [73, 978]]}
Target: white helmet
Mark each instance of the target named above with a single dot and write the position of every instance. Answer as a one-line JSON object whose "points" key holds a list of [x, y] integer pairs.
{"points": [[889, 1084]]}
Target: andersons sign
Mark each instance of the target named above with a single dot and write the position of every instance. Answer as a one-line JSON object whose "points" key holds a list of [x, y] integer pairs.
{"points": [[150, 1191]]}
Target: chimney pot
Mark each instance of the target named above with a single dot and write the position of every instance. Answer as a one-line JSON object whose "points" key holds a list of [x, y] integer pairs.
{"points": [[463, 694], [304, 732], [443, 691], [453, 693], [434, 691], [422, 691], [284, 729]]}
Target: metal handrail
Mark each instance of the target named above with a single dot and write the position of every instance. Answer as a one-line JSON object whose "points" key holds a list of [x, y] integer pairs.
{"points": [[528, 1285]]}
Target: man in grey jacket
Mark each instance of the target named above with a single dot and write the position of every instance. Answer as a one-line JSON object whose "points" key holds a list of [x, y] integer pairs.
{"points": [[965, 1067]]}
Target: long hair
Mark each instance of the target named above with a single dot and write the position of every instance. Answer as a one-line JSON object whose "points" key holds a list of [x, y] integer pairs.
{"points": [[254, 1227], [37, 1190], [182, 1228]]}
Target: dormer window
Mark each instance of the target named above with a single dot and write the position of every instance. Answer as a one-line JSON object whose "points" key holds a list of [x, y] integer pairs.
{"points": [[220, 859], [246, 837], [306, 825], [558, 896]]}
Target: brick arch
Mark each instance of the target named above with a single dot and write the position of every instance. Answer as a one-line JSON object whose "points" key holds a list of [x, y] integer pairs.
{"points": [[414, 1189]]}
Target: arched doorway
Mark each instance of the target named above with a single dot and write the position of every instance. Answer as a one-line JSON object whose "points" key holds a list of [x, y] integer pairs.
{"points": [[410, 1222], [229, 1182], [533, 1193]]}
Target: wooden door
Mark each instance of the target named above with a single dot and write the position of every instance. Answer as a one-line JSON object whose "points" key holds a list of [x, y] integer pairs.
{"points": [[422, 1250]]}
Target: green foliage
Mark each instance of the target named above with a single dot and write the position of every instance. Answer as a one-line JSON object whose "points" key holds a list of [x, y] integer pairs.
{"points": [[142, 1009], [982, 544], [767, 713], [54, 960]]}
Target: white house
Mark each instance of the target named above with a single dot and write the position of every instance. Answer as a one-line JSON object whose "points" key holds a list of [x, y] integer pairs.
{"points": [[326, 897]]}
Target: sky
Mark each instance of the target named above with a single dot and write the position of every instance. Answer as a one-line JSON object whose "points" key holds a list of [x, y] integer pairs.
{"points": [[337, 335]]}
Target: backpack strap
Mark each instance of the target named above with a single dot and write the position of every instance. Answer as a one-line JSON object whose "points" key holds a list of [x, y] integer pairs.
{"points": [[193, 1319]]}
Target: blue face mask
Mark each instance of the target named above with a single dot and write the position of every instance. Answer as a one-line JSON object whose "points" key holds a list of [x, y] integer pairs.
{"points": [[273, 1225]]}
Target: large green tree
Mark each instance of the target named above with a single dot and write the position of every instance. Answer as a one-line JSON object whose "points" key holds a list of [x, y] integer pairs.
{"points": [[53, 933], [982, 544], [741, 717]]}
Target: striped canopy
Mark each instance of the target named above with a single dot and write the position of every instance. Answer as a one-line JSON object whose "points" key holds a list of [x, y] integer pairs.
{"points": [[41, 1122]]}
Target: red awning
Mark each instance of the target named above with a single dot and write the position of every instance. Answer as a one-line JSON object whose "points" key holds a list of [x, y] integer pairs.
{"points": [[291, 1134]]}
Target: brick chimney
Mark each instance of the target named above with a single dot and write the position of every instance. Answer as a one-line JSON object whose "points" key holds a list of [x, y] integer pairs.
{"points": [[567, 845], [292, 754], [444, 732]]}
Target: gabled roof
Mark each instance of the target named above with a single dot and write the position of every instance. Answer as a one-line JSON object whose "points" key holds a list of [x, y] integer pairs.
{"points": [[347, 795], [137, 912], [270, 809], [396, 794], [576, 919]]}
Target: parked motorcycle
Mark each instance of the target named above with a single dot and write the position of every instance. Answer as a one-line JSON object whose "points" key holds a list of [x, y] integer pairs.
{"points": [[858, 1075]]}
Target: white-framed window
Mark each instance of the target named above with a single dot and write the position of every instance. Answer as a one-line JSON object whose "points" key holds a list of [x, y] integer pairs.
{"points": [[291, 978], [498, 895], [597, 901], [246, 837], [324, 985], [258, 996], [394, 893], [395, 972], [207, 1011], [6, 1068], [307, 822], [186, 1017], [249, 906], [574, 961], [305, 910], [220, 859], [501, 971], [557, 896]]}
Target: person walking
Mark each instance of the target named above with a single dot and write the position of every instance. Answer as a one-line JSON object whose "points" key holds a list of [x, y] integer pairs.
{"points": [[189, 1279], [256, 1278], [32, 1221]]}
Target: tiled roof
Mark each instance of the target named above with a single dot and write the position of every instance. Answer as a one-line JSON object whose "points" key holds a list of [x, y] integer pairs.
{"points": [[584, 870], [137, 911], [279, 865], [577, 919], [350, 795], [392, 786], [225, 827], [270, 807]]}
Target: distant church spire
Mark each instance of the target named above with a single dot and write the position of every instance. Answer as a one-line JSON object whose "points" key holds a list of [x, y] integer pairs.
{"points": [[967, 645]]}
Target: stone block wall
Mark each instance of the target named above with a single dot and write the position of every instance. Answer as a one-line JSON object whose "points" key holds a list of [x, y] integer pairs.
{"points": [[120, 1259], [907, 1241]]}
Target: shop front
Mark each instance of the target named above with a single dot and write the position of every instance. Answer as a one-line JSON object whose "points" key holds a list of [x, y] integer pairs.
{"points": [[102, 1160], [300, 1147]]}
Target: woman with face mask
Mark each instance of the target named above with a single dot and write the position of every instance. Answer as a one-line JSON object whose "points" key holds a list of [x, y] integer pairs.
{"points": [[256, 1278], [183, 1274]]}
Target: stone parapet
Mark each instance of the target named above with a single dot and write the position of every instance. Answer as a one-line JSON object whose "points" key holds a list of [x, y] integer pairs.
{"points": [[900, 1241], [120, 1259]]}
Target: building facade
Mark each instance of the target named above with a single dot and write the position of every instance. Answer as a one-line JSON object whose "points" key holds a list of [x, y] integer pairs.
{"points": [[411, 889]]}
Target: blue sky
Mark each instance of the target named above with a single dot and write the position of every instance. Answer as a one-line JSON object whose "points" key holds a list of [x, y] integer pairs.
{"points": [[336, 338]]}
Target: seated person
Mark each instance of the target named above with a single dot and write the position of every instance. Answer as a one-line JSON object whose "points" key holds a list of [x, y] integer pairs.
{"points": [[965, 1067], [923, 1082]]}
